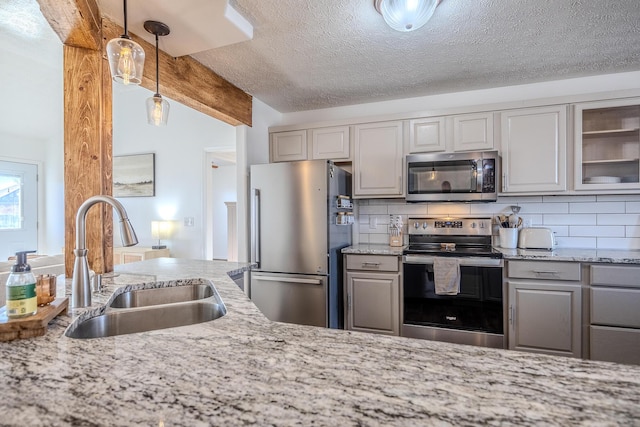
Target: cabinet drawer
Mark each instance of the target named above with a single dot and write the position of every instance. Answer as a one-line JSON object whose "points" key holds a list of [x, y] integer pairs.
{"points": [[544, 270], [615, 307], [623, 276], [372, 262], [615, 344]]}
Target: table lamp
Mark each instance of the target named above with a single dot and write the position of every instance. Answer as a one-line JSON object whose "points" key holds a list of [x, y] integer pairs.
{"points": [[160, 230]]}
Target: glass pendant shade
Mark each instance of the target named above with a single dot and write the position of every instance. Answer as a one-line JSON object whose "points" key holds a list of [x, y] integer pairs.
{"points": [[157, 110], [126, 61], [406, 15]]}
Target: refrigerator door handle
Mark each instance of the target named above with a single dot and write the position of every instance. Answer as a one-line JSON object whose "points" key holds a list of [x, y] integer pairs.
{"points": [[287, 280], [255, 227]]}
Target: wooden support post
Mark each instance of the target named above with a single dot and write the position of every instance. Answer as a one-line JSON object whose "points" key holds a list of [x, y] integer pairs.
{"points": [[87, 153]]}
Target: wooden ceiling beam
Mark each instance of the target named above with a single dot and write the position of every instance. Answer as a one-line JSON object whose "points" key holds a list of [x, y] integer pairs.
{"points": [[76, 22]]}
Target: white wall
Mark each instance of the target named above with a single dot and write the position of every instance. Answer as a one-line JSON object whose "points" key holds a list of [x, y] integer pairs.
{"points": [[180, 167]]}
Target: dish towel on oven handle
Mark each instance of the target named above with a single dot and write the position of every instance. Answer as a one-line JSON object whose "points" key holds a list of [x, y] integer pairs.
{"points": [[446, 275]]}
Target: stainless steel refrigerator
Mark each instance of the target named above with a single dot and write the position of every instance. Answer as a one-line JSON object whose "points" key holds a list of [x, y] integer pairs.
{"points": [[296, 242]]}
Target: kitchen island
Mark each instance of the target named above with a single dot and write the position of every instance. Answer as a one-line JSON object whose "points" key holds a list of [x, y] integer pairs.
{"points": [[243, 369]]}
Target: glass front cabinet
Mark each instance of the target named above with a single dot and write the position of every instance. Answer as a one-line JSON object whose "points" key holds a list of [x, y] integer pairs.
{"points": [[607, 145]]}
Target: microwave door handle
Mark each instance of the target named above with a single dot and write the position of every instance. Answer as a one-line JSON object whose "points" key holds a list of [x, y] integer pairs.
{"points": [[479, 174]]}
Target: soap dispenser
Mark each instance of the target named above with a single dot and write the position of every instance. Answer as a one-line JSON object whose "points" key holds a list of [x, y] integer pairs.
{"points": [[22, 300]]}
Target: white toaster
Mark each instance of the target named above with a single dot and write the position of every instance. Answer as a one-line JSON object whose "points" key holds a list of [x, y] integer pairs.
{"points": [[536, 238]]}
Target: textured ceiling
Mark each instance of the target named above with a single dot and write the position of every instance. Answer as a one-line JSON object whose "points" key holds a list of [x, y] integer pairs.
{"points": [[317, 54]]}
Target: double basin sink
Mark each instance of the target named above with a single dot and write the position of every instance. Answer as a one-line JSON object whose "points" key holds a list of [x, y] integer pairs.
{"points": [[141, 310]]}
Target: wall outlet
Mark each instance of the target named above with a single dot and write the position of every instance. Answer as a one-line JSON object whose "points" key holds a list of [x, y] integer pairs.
{"points": [[373, 222], [526, 223], [189, 221]]}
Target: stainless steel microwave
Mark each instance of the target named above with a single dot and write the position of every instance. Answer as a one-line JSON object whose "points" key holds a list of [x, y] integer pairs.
{"points": [[453, 177]]}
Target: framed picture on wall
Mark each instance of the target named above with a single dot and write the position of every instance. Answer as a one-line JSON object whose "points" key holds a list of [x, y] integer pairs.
{"points": [[134, 175]]}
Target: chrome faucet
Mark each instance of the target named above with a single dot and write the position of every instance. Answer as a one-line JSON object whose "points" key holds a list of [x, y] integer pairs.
{"points": [[80, 289]]}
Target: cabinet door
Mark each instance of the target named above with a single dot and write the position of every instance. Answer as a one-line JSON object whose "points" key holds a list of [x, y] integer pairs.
{"points": [[289, 146], [373, 302], [427, 135], [534, 146], [607, 145], [545, 318], [330, 143], [378, 160], [473, 132]]}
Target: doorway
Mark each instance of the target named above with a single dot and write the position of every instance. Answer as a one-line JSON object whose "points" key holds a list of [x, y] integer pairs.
{"points": [[220, 202], [18, 208]]}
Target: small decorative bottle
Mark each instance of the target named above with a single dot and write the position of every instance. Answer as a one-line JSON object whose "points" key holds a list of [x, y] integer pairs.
{"points": [[22, 300]]}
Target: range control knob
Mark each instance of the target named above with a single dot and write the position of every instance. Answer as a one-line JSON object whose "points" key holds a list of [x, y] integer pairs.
{"points": [[473, 225], [416, 225], [424, 225], [481, 224]]}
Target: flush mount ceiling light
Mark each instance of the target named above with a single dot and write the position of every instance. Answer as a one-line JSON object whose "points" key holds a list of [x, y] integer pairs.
{"points": [[126, 57], [157, 108], [406, 15]]}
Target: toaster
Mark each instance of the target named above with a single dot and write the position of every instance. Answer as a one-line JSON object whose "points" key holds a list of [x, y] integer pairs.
{"points": [[536, 238]]}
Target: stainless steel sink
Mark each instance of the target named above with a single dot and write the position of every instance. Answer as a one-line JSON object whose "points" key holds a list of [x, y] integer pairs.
{"points": [[145, 310], [156, 296]]}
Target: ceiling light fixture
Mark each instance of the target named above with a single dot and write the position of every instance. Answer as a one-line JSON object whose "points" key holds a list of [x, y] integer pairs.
{"points": [[157, 108], [406, 15], [126, 57]]}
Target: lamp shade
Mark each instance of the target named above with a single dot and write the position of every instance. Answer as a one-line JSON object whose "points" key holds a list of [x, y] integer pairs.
{"points": [[406, 15], [157, 110], [126, 60], [160, 229]]}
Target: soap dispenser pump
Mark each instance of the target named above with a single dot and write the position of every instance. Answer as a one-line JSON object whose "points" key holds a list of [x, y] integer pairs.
{"points": [[22, 300]]}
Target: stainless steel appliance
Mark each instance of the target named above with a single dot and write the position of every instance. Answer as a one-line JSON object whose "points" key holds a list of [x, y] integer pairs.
{"points": [[296, 242], [473, 316], [450, 177]]}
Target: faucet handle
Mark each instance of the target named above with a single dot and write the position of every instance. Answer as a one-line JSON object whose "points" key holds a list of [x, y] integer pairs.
{"points": [[96, 285]]}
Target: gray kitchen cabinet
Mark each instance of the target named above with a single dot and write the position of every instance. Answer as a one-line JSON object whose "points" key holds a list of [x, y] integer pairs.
{"points": [[545, 307], [534, 147], [426, 135], [372, 294], [288, 146], [614, 331], [378, 160], [607, 145], [331, 143], [473, 132]]}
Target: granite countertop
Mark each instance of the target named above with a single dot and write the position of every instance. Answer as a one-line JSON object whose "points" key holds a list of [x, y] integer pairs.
{"points": [[613, 256], [243, 369]]}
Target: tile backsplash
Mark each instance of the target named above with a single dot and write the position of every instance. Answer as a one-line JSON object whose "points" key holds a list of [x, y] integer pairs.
{"points": [[589, 221]]}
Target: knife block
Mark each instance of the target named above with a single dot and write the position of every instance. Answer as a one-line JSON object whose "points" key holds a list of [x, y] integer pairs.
{"points": [[395, 240]]}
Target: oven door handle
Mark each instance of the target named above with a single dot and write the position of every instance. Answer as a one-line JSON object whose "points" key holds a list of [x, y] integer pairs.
{"points": [[464, 261]]}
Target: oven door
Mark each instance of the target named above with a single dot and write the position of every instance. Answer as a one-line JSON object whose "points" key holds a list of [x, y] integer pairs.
{"points": [[474, 316]]}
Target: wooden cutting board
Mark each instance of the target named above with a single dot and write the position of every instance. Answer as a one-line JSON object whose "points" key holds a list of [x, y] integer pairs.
{"points": [[32, 326]]}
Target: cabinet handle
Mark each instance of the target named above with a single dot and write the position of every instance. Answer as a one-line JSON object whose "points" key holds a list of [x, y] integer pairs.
{"points": [[370, 264], [504, 182], [511, 314], [551, 272], [348, 301]]}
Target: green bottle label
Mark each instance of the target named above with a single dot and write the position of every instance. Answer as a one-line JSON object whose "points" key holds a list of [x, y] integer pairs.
{"points": [[15, 293]]}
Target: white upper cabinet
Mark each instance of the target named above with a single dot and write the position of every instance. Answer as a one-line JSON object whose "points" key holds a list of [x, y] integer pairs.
{"points": [[289, 146], [378, 160], [534, 146], [427, 135], [330, 143], [472, 132], [607, 146]]}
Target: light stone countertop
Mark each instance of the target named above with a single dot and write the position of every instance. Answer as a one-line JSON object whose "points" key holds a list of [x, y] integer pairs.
{"points": [[243, 369], [373, 249]]}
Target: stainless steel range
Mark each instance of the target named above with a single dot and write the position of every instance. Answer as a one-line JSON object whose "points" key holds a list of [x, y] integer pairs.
{"points": [[471, 314]]}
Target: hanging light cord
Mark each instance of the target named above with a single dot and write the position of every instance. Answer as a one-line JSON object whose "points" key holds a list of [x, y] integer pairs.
{"points": [[126, 34], [157, 68]]}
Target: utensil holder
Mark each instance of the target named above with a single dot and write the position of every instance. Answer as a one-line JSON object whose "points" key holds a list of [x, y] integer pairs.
{"points": [[508, 238]]}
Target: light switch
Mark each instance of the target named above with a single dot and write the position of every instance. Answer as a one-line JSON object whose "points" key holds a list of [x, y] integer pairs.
{"points": [[189, 221]]}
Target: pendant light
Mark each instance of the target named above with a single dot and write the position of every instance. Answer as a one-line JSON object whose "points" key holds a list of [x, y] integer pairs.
{"points": [[406, 15], [157, 108], [126, 57]]}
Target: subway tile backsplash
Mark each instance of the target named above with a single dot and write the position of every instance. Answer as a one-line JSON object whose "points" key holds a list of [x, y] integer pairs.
{"points": [[590, 221]]}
